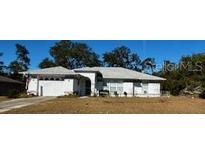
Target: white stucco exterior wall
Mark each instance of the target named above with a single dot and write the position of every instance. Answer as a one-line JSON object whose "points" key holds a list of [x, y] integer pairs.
{"points": [[32, 86], [58, 88], [128, 88], [154, 89], [133, 89], [69, 85], [138, 90]]}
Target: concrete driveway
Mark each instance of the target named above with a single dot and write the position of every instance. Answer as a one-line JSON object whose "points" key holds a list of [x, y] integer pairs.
{"points": [[18, 103]]}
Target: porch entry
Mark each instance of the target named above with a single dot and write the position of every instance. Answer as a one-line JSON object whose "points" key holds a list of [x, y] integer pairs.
{"points": [[88, 87]]}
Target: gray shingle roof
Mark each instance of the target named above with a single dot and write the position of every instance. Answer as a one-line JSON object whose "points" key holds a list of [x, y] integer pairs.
{"points": [[9, 80], [119, 73], [53, 70], [107, 72]]}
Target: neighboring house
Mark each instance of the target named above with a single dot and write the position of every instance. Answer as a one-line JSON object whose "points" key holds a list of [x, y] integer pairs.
{"points": [[58, 81], [8, 84]]}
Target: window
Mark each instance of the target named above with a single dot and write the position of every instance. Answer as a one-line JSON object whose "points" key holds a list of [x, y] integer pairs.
{"points": [[120, 87], [113, 87], [137, 84], [106, 85]]}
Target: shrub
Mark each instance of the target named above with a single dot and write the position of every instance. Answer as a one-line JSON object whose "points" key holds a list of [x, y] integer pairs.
{"points": [[13, 93], [116, 94], [125, 93], [76, 93]]}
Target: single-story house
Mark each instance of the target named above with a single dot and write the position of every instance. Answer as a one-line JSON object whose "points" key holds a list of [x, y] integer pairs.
{"points": [[57, 81], [8, 84]]}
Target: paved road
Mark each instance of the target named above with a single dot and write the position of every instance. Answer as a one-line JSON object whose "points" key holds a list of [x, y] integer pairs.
{"points": [[18, 103]]}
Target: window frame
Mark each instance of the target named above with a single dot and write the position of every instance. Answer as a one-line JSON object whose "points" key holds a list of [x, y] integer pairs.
{"points": [[116, 86]]}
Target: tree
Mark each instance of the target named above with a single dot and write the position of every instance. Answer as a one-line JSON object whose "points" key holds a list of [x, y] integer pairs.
{"points": [[83, 56], [72, 55], [22, 61], [122, 57], [148, 64], [168, 66], [186, 76], [60, 52], [15, 67], [1, 64], [46, 63]]}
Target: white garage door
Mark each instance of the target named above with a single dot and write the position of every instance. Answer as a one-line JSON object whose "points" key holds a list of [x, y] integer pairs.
{"points": [[52, 88]]}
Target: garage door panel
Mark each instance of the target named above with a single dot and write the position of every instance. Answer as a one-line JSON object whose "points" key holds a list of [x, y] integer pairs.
{"points": [[52, 88]]}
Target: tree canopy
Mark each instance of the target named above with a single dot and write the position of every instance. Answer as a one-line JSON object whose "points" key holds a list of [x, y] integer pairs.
{"points": [[46, 63], [71, 55], [148, 64], [122, 57], [187, 75], [22, 61]]}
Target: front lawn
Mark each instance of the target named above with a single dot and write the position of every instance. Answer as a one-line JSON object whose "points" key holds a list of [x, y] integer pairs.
{"points": [[98, 105]]}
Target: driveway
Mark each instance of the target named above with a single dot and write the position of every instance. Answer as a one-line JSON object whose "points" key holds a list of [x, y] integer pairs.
{"points": [[18, 103]]}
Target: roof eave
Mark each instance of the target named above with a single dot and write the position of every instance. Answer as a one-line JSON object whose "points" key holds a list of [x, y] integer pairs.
{"points": [[88, 71], [134, 79]]}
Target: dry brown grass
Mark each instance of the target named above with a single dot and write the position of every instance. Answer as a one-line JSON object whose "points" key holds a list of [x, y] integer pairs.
{"points": [[97, 105], [3, 98]]}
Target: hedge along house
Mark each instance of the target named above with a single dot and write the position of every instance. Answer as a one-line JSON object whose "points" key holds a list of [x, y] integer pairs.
{"points": [[57, 81]]}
